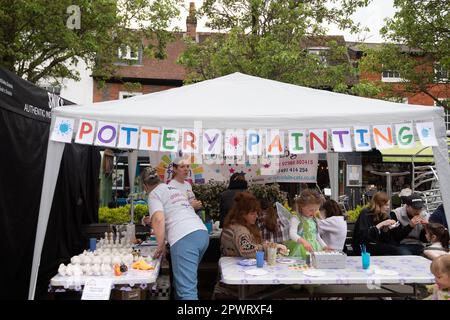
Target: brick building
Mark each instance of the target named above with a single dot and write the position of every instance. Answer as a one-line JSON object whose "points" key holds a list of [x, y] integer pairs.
{"points": [[440, 88], [153, 74]]}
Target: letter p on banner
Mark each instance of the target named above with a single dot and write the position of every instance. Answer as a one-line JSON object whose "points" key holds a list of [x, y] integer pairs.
{"points": [[86, 132]]}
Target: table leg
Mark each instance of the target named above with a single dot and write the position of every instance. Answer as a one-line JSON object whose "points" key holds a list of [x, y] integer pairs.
{"points": [[241, 292]]}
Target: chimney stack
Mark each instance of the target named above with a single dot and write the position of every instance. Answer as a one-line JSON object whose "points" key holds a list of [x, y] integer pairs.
{"points": [[191, 22]]}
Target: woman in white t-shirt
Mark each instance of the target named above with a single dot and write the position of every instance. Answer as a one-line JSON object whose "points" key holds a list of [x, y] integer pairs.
{"points": [[180, 173], [173, 219]]}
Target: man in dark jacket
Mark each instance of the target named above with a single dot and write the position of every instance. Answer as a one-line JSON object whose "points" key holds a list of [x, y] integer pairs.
{"points": [[237, 184], [438, 216]]}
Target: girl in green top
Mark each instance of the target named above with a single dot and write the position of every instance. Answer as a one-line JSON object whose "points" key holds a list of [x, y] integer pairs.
{"points": [[303, 229]]}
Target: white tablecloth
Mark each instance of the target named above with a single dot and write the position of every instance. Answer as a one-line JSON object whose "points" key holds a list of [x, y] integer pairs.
{"points": [[409, 269], [131, 278]]}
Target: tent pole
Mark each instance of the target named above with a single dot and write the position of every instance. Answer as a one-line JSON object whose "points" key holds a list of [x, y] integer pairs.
{"points": [[132, 164], [333, 172], [442, 165], [52, 164]]}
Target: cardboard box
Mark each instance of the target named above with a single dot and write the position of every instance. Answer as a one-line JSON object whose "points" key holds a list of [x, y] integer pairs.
{"points": [[328, 260], [133, 294]]}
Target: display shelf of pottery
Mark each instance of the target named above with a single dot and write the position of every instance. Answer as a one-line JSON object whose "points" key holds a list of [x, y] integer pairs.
{"points": [[109, 252]]}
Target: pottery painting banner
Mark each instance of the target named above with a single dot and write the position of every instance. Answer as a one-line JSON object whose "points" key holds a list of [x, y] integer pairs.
{"points": [[297, 141], [254, 142], [190, 142], [318, 140], [341, 138], [404, 134], [274, 142], [106, 134], [63, 130], [169, 140], [212, 141], [240, 143], [361, 137], [128, 136], [150, 137], [86, 132], [426, 133], [382, 135], [234, 142]]}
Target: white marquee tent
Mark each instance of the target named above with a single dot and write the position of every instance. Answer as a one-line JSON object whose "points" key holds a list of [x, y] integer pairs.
{"points": [[244, 102]]}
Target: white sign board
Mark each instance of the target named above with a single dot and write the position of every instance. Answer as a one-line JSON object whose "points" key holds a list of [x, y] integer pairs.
{"points": [[354, 176], [97, 289]]}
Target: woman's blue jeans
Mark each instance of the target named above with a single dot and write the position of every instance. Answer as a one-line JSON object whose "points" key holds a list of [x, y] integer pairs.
{"points": [[186, 255]]}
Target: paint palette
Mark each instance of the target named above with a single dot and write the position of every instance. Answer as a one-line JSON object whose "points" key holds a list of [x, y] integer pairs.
{"points": [[247, 262], [290, 261], [298, 266], [256, 272]]}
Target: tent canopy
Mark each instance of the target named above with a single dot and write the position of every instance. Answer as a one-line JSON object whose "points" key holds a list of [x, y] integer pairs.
{"points": [[242, 101]]}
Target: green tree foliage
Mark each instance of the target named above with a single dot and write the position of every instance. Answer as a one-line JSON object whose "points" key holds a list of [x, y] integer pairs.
{"points": [[40, 39], [419, 34], [269, 39]]}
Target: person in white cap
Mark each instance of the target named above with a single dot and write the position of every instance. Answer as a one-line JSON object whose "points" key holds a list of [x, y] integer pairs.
{"points": [[180, 173], [404, 194], [173, 219]]}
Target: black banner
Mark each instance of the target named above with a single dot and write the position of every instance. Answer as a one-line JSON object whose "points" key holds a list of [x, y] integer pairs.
{"points": [[24, 98], [25, 114]]}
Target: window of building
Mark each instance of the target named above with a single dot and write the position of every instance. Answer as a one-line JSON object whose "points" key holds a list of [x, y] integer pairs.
{"points": [[127, 94], [52, 89], [447, 112], [391, 76], [441, 74], [320, 52], [398, 99], [129, 53]]}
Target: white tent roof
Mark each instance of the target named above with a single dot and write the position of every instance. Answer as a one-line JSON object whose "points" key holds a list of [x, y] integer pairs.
{"points": [[242, 101]]}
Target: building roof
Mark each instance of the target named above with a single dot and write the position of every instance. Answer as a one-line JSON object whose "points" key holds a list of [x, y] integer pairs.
{"points": [[359, 47]]}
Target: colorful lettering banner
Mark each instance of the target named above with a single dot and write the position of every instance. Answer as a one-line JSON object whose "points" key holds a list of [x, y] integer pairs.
{"points": [[274, 142], [106, 134], [212, 141], [63, 130], [426, 133], [342, 140], [234, 142], [239, 144], [86, 132], [190, 141], [404, 134], [150, 137], [128, 136], [254, 142], [297, 141], [383, 137], [318, 141], [169, 140], [361, 137]]}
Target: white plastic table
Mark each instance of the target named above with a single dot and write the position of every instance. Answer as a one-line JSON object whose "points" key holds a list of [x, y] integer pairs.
{"points": [[126, 281], [407, 269]]}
